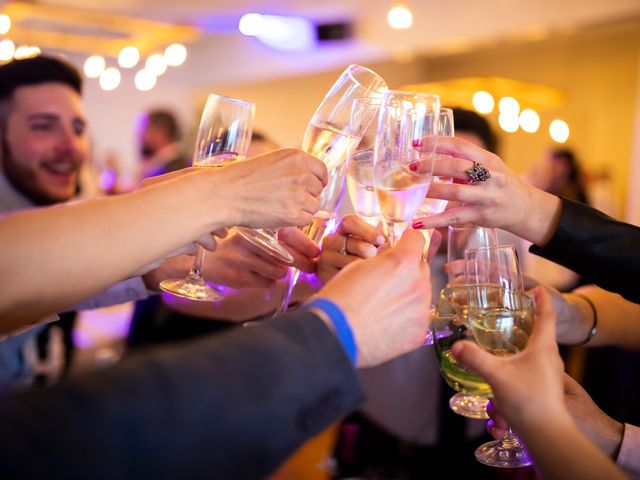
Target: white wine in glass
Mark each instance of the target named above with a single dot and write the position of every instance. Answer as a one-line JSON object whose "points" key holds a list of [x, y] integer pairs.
{"points": [[406, 119], [223, 138]]}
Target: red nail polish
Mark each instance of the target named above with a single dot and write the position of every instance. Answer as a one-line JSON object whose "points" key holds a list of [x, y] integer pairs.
{"points": [[417, 225], [413, 166], [417, 143]]}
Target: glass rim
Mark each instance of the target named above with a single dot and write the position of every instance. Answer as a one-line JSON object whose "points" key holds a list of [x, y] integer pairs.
{"points": [[230, 99], [406, 93], [354, 66]]}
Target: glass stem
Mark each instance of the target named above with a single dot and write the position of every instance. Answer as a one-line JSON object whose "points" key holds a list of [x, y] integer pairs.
{"points": [[394, 231], [509, 440], [292, 280], [195, 274]]}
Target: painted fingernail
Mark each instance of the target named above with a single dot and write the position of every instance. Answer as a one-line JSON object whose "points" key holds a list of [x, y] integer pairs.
{"points": [[413, 166], [417, 225], [417, 143]]}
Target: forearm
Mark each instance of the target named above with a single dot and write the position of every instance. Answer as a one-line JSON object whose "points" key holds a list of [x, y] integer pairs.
{"points": [[63, 254], [540, 220], [561, 451], [618, 319]]}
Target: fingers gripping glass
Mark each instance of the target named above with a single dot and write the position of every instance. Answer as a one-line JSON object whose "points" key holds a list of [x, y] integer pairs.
{"points": [[223, 138]]}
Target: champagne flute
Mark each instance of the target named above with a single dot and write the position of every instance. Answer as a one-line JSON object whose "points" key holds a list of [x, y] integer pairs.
{"points": [[223, 137], [330, 138], [405, 119], [459, 239], [360, 161], [501, 322]]}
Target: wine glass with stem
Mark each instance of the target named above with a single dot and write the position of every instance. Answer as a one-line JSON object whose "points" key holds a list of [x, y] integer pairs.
{"points": [[405, 120], [459, 239], [360, 160], [223, 137], [501, 321], [330, 138]]}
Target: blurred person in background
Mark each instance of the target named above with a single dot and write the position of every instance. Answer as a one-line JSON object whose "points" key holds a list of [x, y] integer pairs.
{"points": [[159, 139]]}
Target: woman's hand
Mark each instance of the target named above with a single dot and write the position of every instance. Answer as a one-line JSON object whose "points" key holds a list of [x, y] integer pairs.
{"points": [[504, 200]]}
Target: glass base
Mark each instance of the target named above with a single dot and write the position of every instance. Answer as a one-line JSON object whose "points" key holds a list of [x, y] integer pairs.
{"points": [[186, 288], [267, 242], [470, 406], [504, 454]]}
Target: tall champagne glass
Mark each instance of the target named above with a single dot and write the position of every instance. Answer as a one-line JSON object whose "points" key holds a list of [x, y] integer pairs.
{"points": [[501, 321], [459, 239], [360, 161], [405, 119], [223, 137], [329, 137]]}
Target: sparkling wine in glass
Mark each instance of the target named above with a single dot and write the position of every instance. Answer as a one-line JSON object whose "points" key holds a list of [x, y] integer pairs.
{"points": [[330, 138], [223, 137], [405, 120], [459, 239], [450, 323], [501, 321], [360, 161]]}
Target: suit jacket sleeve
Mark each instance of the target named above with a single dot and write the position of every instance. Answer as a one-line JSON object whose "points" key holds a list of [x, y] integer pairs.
{"points": [[603, 250], [229, 406]]}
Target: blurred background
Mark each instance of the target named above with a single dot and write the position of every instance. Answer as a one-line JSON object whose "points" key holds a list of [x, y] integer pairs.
{"points": [[574, 61]]}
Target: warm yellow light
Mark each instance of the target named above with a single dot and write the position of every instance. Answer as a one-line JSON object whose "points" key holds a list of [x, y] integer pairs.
{"points": [[156, 64], [128, 57], [508, 121], [26, 51], [400, 17], [483, 102], [559, 131], [175, 54], [145, 80], [529, 120], [110, 79], [5, 24], [509, 105], [94, 66], [7, 49]]}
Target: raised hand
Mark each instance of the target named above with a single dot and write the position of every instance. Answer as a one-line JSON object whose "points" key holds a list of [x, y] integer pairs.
{"points": [[386, 300]]}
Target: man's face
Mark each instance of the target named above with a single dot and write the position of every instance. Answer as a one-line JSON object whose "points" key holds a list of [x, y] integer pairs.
{"points": [[45, 142]]}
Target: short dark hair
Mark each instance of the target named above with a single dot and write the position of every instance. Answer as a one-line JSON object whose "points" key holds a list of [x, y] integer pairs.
{"points": [[36, 70], [469, 121], [165, 120]]}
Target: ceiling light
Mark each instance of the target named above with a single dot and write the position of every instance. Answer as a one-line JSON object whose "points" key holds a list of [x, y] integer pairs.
{"points": [[5, 24], [26, 51], [559, 131], [529, 120], [7, 49], [110, 79], [508, 121], [175, 54], [94, 66], [509, 105], [156, 64], [145, 80], [400, 17], [289, 34], [251, 24], [128, 57], [483, 102]]}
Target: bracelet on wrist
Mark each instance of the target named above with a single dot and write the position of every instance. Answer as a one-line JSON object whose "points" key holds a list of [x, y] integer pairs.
{"points": [[594, 326], [340, 325]]}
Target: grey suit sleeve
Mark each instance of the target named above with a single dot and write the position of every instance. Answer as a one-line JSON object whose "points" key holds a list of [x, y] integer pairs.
{"points": [[230, 406], [129, 290]]}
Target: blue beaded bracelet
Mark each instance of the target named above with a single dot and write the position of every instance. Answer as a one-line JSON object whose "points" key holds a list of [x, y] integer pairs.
{"points": [[340, 324]]}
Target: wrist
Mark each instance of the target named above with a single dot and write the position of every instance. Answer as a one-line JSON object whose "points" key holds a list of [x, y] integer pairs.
{"points": [[543, 218], [576, 320], [219, 198], [335, 319]]}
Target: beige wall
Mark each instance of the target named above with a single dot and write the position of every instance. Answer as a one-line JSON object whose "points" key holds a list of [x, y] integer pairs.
{"points": [[597, 69]]}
